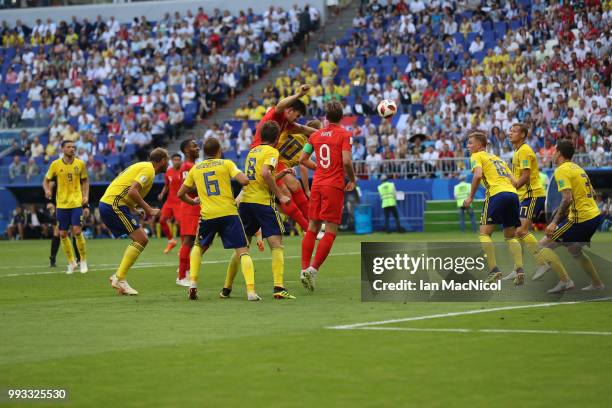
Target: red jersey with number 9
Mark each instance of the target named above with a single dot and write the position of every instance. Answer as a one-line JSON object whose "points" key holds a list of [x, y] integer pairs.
{"points": [[328, 144]]}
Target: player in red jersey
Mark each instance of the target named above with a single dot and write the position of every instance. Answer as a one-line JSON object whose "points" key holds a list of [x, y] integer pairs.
{"points": [[171, 208], [332, 146], [286, 112], [190, 214]]}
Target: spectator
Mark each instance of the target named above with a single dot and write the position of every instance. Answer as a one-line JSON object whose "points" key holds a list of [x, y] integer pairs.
{"points": [[34, 223], [373, 161], [16, 168], [175, 120], [358, 150], [32, 170], [15, 229]]}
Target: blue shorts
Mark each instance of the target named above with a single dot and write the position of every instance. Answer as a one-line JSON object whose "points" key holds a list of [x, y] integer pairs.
{"points": [[229, 228], [582, 232], [532, 208], [502, 208], [119, 220], [69, 216], [256, 216]]}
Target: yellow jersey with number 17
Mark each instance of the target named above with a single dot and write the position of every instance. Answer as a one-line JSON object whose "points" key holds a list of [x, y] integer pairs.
{"points": [[257, 191], [68, 177], [525, 158], [496, 176], [213, 180], [142, 173], [571, 176], [290, 146]]}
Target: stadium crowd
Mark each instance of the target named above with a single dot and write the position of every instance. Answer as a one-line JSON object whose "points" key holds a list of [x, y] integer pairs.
{"points": [[455, 66], [125, 87]]}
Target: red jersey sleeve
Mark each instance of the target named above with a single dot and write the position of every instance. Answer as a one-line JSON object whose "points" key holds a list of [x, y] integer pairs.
{"points": [[346, 142]]}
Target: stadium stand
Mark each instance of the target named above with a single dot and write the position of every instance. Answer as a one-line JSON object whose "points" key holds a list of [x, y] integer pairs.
{"points": [[119, 89]]}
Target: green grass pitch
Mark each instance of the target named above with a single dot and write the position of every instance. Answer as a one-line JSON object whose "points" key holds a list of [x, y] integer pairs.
{"points": [[158, 349]]}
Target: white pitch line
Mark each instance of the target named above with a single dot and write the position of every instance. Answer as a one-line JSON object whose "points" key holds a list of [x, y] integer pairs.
{"points": [[155, 265], [464, 313], [519, 331]]}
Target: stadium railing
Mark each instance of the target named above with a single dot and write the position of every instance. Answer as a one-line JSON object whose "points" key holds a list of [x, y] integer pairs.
{"points": [[445, 167]]}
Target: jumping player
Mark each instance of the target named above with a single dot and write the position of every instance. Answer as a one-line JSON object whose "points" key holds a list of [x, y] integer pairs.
{"points": [[286, 112], [171, 208], [290, 146], [190, 214], [332, 146], [212, 180]]}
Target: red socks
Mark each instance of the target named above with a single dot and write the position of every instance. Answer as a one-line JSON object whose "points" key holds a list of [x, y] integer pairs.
{"points": [[163, 223], [296, 215], [325, 245], [308, 243], [301, 202], [184, 260]]}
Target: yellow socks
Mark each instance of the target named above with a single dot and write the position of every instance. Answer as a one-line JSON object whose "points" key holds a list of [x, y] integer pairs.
{"points": [[489, 250], [195, 260], [67, 247], [131, 254], [232, 270], [248, 270], [532, 246], [517, 252], [587, 264], [278, 266], [80, 243], [555, 262]]}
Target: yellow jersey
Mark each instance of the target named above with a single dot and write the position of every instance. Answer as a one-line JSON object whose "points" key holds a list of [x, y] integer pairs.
{"points": [[257, 190], [327, 67], [496, 176], [290, 146], [525, 158], [142, 173], [571, 176], [213, 180], [68, 178]]}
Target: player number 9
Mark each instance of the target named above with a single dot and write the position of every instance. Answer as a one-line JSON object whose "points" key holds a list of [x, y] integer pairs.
{"points": [[324, 156]]}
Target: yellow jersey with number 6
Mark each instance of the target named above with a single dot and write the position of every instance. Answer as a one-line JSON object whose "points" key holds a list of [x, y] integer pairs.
{"points": [[290, 146], [213, 180], [525, 158], [257, 191], [496, 176], [68, 177], [571, 176]]}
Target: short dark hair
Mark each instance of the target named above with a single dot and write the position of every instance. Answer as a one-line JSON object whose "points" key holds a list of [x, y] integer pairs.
{"points": [[479, 136], [176, 155], [269, 131], [184, 144], [158, 154], [298, 106], [211, 147], [66, 141], [565, 148], [333, 112]]}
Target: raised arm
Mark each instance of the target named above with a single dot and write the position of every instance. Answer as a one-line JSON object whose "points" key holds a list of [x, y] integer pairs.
{"points": [[286, 102]]}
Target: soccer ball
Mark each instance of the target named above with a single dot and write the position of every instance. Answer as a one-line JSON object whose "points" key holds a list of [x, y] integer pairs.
{"points": [[386, 108]]}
